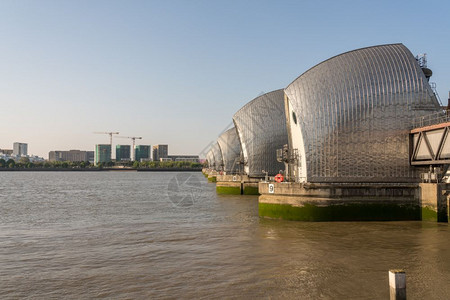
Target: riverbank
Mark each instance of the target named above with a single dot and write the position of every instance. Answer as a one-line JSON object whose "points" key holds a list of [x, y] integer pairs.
{"points": [[102, 170]]}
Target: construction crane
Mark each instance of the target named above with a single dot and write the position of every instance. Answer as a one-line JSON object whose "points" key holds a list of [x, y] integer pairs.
{"points": [[110, 135], [133, 138]]}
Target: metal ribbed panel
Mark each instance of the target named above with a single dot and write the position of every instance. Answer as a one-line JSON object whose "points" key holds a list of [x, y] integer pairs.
{"points": [[210, 158], [218, 160], [230, 148], [354, 113], [261, 127]]}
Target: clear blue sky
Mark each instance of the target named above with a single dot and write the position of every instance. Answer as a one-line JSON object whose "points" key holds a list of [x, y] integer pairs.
{"points": [[176, 71]]}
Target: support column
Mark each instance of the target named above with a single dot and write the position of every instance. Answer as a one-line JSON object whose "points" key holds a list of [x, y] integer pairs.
{"points": [[434, 202], [397, 284]]}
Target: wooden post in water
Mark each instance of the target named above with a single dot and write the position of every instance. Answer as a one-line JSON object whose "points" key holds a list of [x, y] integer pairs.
{"points": [[397, 284]]}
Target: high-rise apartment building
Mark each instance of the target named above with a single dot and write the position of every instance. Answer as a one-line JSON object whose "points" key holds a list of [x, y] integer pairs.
{"points": [[123, 152], [20, 149], [142, 152], [102, 153], [160, 151]]}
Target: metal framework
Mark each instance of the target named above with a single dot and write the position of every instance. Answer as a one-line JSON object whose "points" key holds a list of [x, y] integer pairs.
{"points": [[289, 157], [430, 145]]}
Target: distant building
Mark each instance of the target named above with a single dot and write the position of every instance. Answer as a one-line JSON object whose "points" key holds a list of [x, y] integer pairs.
{"points": [[123, 152], [20, 149], [90, 155], [56, 156], [36, 158], [6, 151], [160, 151], [142, 152], [71, 155], [190, 158], [102, 153], [33, 158]]}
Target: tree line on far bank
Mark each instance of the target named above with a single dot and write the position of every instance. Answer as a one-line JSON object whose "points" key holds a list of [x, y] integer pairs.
{"points": [[25, 163], [154, 164]]}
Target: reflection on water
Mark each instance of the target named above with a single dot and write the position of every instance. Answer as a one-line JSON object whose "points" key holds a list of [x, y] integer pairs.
{"points": [[124, 235]]}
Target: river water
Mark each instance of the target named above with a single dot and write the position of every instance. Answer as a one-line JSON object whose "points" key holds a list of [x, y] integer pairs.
{"points": [[149, 235]]}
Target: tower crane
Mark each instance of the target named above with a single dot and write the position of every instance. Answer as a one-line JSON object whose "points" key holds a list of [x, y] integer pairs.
{"points": [[133, 138], [110, 135]]}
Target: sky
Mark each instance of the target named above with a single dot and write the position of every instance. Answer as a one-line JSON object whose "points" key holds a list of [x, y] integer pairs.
{"points": [[175, 72]]}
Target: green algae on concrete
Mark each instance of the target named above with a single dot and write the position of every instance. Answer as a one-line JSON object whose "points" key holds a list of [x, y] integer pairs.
{"points": [[228, 190], [250, 190], [212, 179], [428, 214], [345, 212]]}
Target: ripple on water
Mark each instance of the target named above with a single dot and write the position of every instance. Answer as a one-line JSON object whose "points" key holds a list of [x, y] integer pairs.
{"points": [[119, 235]]}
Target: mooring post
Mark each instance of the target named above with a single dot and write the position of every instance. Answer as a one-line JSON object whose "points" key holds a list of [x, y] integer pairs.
{"points": [[397, 284]]}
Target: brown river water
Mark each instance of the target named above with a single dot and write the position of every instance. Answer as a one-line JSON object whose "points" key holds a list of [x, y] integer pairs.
{"points": [[149, 235]]}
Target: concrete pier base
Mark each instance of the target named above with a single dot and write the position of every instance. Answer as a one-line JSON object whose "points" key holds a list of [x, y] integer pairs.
{"points": [[230, 184], [229, 188], [339, 202], [434, 201], [250, 188], [236, 185], [211, 175]]}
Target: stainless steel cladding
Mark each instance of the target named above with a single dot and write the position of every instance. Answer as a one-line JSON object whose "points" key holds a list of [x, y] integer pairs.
{"points": [[349, 116], [231, 149], [210, 159], [261, 127], [218, 161]]}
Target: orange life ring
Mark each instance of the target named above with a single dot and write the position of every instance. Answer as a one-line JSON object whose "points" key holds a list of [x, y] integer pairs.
{"points": [[279, 177]]}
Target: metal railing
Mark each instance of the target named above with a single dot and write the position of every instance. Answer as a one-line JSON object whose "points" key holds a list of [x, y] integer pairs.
{"points": [[434, 89], [432, 119]]}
